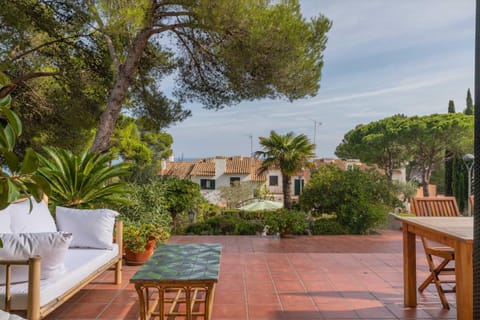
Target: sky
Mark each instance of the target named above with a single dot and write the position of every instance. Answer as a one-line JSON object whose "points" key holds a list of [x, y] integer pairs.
{"points": [[383, 57]]}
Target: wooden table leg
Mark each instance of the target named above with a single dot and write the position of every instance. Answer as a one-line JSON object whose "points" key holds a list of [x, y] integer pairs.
{"points": [[409, 268], [464, 280]]}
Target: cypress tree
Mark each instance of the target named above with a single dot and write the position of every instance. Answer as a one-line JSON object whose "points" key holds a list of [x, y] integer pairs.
{"points": [[449, 160], [469, 109], [460, 182], [459, 173], [451, 106]]}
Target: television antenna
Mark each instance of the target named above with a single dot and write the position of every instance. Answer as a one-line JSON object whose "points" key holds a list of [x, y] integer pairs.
{"points": [[315, 124]]}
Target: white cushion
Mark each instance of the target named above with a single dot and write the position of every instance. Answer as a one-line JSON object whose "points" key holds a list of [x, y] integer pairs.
{"points": [[24, 221], [50, 246], [79, 264], [5, 220], [90, 228], [7, 316]]}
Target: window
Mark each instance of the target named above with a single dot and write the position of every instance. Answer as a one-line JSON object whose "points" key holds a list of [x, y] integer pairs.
{"points": [[350, 166], [273, 181], [298, 186], [207, 184], [234, 180]]}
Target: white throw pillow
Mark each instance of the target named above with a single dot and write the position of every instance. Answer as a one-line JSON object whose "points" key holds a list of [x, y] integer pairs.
{"points": [[90, 228], [24, 221], [5, 221], [50, 246]]}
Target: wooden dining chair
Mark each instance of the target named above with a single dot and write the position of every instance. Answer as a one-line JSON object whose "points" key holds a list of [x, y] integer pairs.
{"points": [[440, 273]]}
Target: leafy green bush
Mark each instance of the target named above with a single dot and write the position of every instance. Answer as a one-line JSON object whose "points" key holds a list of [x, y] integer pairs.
{"points": [[205, 210], [248, 215], [249, 227], [286, 221], [327, 226], [360, 200], [146, 204], [224, 225]]}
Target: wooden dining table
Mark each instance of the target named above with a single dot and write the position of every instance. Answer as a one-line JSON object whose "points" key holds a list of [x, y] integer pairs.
{"points": [[456, 232]]}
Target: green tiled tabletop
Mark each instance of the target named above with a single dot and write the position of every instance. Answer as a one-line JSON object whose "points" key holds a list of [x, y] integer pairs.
{"points": [[181, 262]]}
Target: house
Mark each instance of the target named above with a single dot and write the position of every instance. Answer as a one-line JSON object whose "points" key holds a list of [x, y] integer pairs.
{"points": [[213, 173]]}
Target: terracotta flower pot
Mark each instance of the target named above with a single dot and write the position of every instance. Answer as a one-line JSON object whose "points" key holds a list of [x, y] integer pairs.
{"points": [[139, 258]]}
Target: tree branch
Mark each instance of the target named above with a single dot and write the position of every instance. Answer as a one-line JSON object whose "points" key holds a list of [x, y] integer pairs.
{"points": [[32, 76], [19, 56], [192, 56], [108, 39], [164, 14]]}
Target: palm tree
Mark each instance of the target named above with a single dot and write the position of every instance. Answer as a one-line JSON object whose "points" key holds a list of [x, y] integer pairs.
{"points": [[287, 152]]}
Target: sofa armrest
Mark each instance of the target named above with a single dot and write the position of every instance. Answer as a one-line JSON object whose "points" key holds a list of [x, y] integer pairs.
{"points": [[119, 236], [119, 241], [33, 264]]}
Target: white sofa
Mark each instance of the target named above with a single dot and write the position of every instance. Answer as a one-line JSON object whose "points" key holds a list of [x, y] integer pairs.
{"points": [[45, 262]]}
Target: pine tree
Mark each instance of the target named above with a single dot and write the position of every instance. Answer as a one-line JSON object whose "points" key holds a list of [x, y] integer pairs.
{"points": [[449, 161], [469, 109]]}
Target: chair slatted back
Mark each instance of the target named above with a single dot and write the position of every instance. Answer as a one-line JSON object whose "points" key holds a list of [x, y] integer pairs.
{"points": [[435, 206]]}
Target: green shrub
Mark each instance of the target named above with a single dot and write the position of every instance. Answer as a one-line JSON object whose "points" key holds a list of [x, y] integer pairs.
{"points": [[146, 204], [249, 227], [359, 199], [248, 215], [224, 225], [327, 226], [199, 228], [286, 221], [205, 210]]}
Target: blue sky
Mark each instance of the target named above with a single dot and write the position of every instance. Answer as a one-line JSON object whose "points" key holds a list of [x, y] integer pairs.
{"points": [[383, 57]]}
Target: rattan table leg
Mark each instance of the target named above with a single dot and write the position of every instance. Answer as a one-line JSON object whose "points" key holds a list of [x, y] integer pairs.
{"points": [[141, 297], [209, 296]]}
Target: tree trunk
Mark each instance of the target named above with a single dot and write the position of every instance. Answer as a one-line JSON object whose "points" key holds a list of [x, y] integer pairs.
{"points": [[287, 193], [119, 91], [425, 182], [389, 167]]}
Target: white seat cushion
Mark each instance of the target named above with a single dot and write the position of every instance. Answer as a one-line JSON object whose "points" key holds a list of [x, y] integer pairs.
{"points": [[79, 264]]}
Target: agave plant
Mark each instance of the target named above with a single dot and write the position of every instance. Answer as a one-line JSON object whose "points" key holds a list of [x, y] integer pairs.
{"points": [[18, 178], [84, 180]]}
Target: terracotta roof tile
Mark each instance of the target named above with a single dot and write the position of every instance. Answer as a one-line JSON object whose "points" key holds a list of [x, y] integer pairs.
{"points": [[181, 170], [204, 167], [239, 165]]}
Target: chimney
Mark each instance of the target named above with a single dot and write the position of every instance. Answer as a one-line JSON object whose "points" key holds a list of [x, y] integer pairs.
{"points": [[220, 166]]}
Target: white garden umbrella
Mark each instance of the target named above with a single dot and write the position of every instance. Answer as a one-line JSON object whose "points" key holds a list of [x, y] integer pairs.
{"points": [[262, 205]]}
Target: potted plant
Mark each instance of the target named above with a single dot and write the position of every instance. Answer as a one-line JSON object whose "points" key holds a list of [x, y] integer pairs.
{"points": [[286, 222], [140, 239], [145, 219]]}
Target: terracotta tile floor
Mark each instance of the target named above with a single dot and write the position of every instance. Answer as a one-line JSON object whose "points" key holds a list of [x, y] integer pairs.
{"points": [[316, 277]]}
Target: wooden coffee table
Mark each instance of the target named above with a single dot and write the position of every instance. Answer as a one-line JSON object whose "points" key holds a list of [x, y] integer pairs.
{"points": [[178, 280]]}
